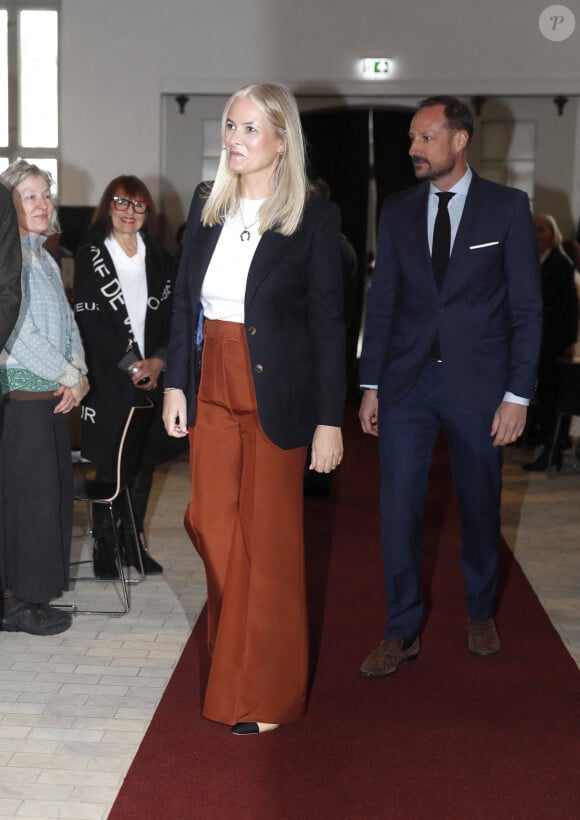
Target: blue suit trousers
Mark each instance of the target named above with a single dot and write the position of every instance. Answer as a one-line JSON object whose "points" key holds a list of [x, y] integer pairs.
{"points": [[408, 432]]}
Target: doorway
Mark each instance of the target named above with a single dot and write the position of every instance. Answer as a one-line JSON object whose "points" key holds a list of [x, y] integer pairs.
{"points": [[361, 153]]}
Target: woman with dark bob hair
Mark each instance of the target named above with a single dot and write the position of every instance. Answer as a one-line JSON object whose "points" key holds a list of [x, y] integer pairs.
{"points": [[262, 259], [42, 377], [123, 286]]}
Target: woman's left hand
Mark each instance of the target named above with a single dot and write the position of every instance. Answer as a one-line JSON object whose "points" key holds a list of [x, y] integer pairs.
{"points": [[327, 449], [71, 396], [146, 369]]}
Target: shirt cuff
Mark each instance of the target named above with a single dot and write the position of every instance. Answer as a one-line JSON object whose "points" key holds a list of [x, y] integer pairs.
{"points": [[511, 397]]}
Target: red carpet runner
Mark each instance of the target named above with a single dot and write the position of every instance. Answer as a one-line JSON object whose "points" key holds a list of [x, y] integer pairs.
{"points": [[451, 736]]}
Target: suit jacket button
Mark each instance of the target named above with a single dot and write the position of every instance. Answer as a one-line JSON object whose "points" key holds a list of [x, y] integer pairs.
{"points": [[258, 368], [252, 331]]}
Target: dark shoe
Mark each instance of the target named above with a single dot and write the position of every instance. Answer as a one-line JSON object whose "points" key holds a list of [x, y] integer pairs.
{"points": [[253, 728], [565, 443], [37, 619], [150, 565], [540, 464], [385, 659], [104, 564], [483, 637]]}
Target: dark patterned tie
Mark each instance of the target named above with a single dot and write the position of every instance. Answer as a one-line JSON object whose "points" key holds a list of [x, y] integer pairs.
{"points": [[441, 238]]}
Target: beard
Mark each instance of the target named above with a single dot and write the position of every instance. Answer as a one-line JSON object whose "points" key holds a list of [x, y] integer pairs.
{"points": [[432, 171]]}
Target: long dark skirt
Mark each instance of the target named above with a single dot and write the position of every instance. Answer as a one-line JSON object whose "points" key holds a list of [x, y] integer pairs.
{"points": [[36, 500]]}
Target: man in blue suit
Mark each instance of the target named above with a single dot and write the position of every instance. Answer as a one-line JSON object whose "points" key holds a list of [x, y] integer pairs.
{"points": [[451, 340]]}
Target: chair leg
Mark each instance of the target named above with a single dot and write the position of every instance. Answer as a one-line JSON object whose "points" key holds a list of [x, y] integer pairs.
{"points": [[123, 580], [554, 445], [135, 535]]}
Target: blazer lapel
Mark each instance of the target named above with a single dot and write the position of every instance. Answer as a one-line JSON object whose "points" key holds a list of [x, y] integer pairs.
{"points": [[413, 229], [206, 241], [265, 258], [267, 254], [471, 212], [420, 206]]}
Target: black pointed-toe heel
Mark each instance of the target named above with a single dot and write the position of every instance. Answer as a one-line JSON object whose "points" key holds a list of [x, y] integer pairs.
{"points": [[253, 728], [245, 729]]}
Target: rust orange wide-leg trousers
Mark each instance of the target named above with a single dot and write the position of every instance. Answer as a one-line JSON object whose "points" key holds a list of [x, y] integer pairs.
{"points": [[245, 518]]}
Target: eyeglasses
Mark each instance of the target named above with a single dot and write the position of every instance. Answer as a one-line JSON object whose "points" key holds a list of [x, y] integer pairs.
{"points": [[120, 203]]}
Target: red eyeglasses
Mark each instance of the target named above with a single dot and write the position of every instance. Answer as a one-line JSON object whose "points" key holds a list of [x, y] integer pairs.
{"points": [[121, 203]]}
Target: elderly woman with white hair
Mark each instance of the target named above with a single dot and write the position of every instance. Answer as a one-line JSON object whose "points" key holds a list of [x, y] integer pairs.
{"points": [[42, 377], [560, 329]]}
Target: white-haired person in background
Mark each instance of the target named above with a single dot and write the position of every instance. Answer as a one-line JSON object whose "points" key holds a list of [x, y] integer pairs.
{"points": [[559, 333], [42, 377]]}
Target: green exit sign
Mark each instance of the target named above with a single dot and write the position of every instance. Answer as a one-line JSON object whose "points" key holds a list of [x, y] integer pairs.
{"points": [[376, 67]]}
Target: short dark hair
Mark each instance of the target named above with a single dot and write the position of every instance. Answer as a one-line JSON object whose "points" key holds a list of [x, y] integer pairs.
{"points": [[457, 114], [133, 188]]}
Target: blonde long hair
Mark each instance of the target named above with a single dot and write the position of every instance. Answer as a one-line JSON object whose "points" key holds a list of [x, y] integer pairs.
{"points": [[282, 210]]}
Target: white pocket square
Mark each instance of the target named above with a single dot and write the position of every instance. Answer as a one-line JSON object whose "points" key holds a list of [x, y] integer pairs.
{"points": [[483, 245]]}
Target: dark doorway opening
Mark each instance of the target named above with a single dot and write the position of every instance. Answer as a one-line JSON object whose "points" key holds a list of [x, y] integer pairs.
{"points": [[361, 152]]}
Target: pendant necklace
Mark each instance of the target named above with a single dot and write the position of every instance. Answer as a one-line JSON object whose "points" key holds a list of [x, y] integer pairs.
{"points": [[245, 234]]}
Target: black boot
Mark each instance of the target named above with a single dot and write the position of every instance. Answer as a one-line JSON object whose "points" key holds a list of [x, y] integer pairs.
{"points": [[139, 490], [150, 565], [104, 564]]}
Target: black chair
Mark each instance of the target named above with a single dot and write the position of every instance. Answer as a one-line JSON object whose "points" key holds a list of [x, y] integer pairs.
{"points": [[91, 491], [568, 404]]}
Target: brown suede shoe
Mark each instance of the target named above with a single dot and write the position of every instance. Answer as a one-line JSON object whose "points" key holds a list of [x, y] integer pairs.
{"points": [[385, 659], [483, 637]]}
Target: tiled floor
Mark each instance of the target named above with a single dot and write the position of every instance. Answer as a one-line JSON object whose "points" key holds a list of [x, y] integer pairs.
{"points": [[541, 522], [73, 708]]}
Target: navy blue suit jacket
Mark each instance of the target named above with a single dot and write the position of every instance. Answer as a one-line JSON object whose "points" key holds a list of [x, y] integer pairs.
{"points": [[294, 319], [488, 311]]}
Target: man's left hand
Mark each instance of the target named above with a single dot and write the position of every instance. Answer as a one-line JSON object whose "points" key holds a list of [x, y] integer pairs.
{"points": [[509, 421]]}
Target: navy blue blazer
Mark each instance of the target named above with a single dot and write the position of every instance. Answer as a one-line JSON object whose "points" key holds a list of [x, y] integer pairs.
{"points": [[488, 311], [294, 320]]}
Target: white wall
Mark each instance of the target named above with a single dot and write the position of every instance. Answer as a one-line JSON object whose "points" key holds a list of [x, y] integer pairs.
{"points": [[556, 151], [118, 56]]}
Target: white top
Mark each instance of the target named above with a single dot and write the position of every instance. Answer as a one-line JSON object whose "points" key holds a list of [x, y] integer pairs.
{"points": [[224, 286], [133, 280]]}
